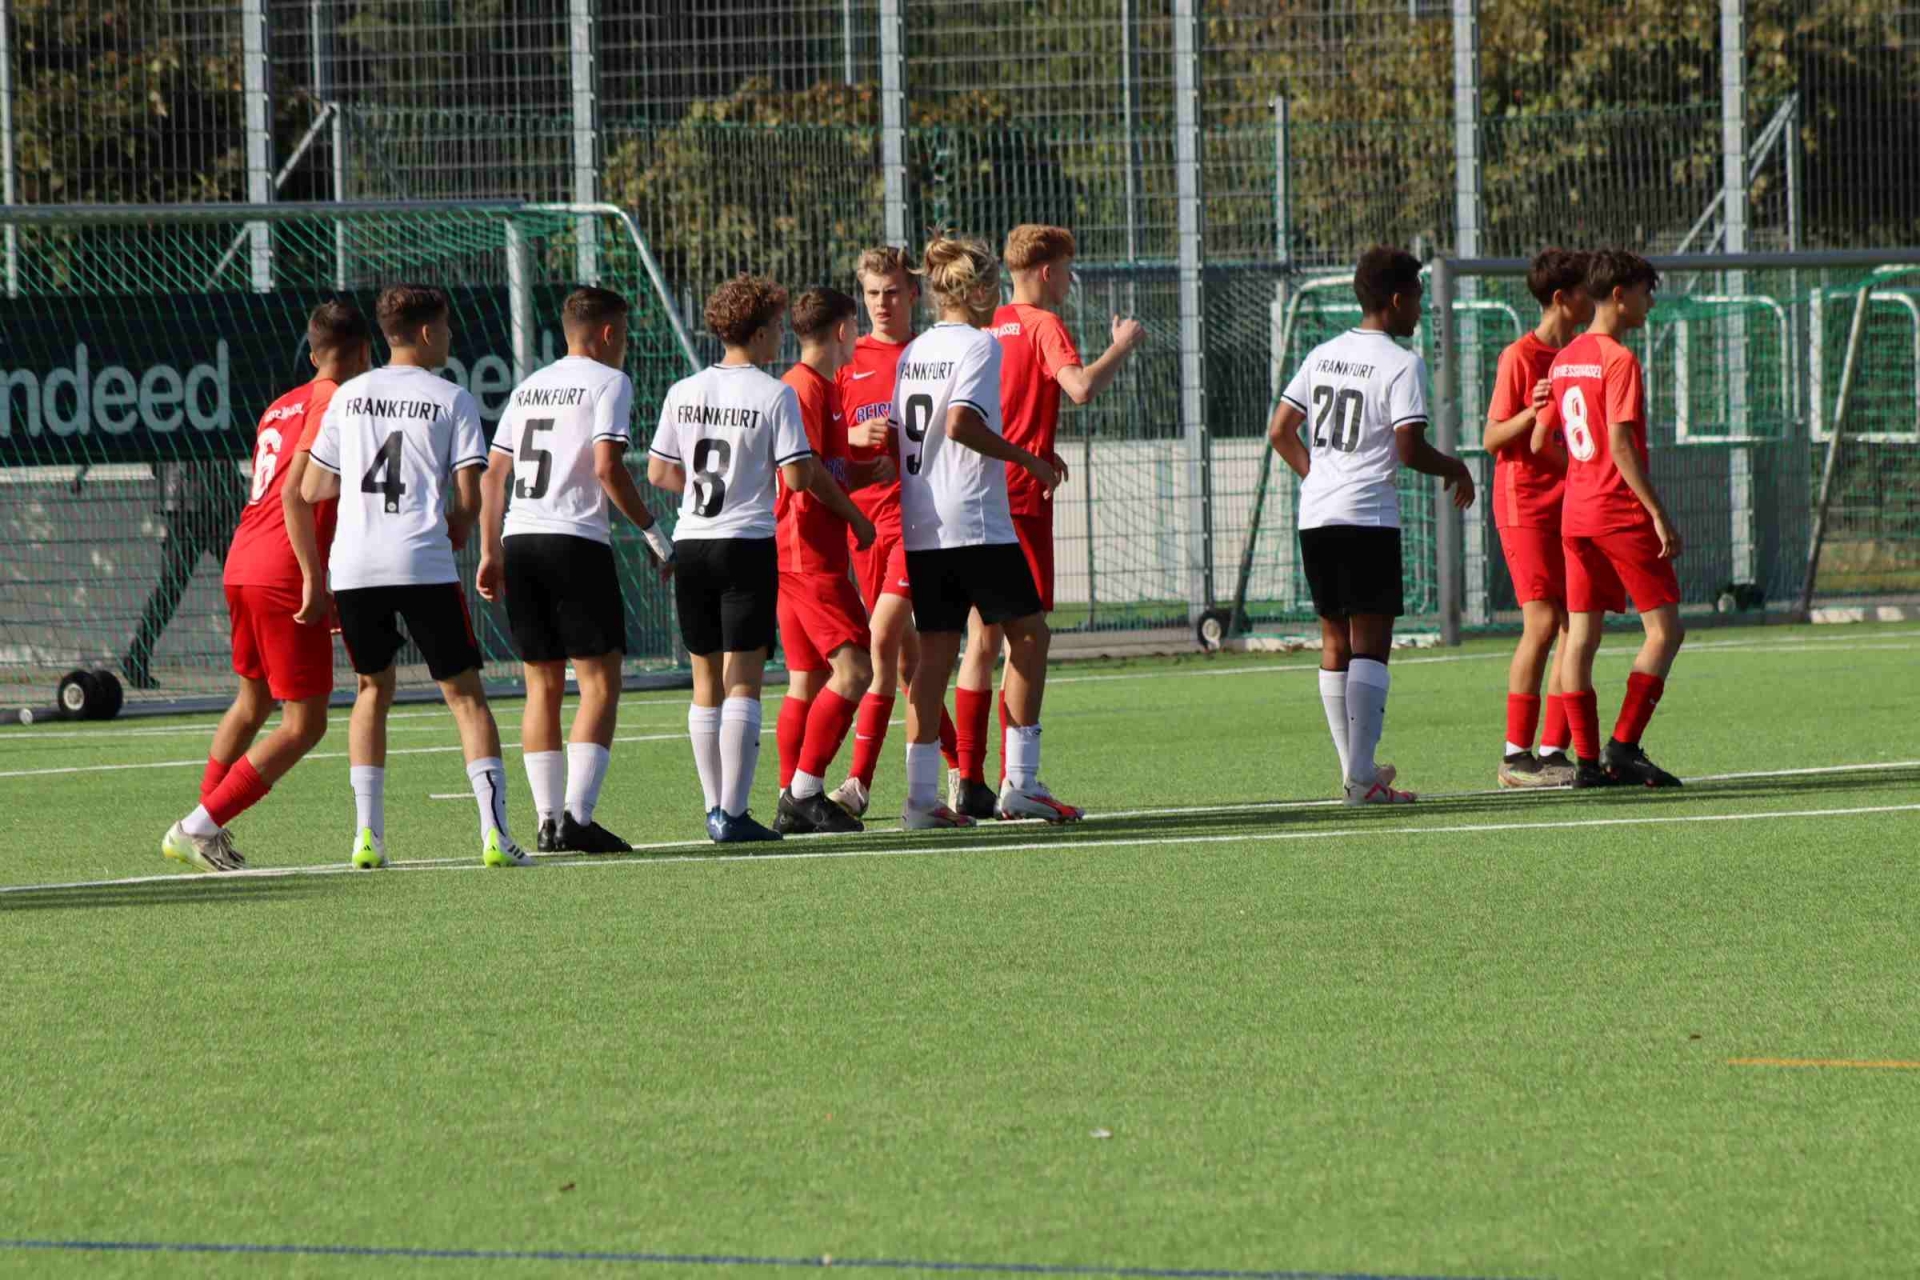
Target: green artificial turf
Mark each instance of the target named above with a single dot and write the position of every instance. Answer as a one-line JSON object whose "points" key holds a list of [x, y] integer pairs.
{"points": [[1487, 1035]]}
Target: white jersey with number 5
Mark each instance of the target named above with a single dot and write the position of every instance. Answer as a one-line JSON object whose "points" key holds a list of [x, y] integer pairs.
{"points": [[950, 496], [1358, 391], [551, 425], [395, 437], [732, 427]]}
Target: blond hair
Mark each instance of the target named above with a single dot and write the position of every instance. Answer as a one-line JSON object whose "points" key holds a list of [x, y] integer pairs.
{"points": [[962, 274], [1032, 245], [883, 260]]}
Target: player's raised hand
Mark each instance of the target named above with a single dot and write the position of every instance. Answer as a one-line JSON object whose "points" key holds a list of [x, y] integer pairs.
{"points": [[863, 531], [316, 603], [1671, 542], [490, 580], [1128, 333], [1460, 484]]}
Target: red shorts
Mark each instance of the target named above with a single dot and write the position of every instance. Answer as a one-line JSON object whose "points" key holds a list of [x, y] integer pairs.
{"points": [[881, 569], [1603, 570], [1036, 541], [819, 612], [1537, 559], [296, 661]]}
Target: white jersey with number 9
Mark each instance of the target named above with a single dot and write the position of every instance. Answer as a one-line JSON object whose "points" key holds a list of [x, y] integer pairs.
{"points": [[1573, 409]]}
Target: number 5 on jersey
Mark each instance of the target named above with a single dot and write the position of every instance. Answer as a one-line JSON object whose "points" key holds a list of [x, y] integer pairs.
{"points": [[383, 477]]}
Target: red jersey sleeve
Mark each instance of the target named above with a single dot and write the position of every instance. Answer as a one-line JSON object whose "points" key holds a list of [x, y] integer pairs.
{"points": [[1511, 391], [316, 412], [1626, 394], [1054, 345], [812, 394]]}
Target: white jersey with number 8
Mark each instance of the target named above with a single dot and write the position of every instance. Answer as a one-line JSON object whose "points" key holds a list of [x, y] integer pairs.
{"points": [[1358, 391], [950, 496], [732, 427], [395, 437]]}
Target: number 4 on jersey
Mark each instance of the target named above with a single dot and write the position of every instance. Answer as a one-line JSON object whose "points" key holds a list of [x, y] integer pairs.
{"points": [[383, 477]]}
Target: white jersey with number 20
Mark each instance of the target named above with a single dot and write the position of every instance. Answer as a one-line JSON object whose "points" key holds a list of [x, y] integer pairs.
{"points": [[950, 496], [1357, 391], [395, 437], [732, 427]]}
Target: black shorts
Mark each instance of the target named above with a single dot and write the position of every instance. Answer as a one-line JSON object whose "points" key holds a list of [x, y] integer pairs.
{"points": [[727, 591], [437, 623], [951, 582], [563, 598], [1353, 569]]}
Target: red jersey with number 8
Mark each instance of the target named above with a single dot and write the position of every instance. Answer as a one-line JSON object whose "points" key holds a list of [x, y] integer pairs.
{"points": [[261, 555], [1597, 382]]}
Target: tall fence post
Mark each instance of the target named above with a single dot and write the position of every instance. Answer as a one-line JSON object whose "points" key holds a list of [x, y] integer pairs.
{"points": [[1469, 204], [257, 78], [1733, 213], [1446, 412], [1190, 224], [893, 117], [520, 300], [320, 33], [7, 192], [584, 72]]}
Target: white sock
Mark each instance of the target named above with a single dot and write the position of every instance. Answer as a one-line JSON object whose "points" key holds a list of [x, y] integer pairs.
{"points": [[369, 798], [1333, 696], [489, 779], [1367, 683], [924, 771], [805, 784], [703, 726], [1023, 755], [739, 753], [586, 769], [547, 776], [1515, 751]]}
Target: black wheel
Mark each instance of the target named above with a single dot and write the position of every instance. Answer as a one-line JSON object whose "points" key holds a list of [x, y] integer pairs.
{"points": [[1211, 630], [77, 693], [112, 696]]}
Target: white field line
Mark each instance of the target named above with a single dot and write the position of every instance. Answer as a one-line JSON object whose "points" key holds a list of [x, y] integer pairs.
{"points": [[1815, 644], [1063, 844], [1271, 669]]}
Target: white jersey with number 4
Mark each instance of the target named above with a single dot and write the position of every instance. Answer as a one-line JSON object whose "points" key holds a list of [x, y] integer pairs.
{"points": [[950, 496], [732, 427], [1358, 391], [395, 437], [550, 427]]}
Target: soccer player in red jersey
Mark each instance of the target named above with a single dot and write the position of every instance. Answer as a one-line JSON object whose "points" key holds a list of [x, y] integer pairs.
{"points": [[1620, 541], [888, 288], [1527, 491], [278, 604], [1039, 361], [823, 622]]}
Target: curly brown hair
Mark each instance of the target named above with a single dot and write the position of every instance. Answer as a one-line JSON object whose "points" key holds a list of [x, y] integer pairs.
{"points": [[404, 308], [742, 306]]}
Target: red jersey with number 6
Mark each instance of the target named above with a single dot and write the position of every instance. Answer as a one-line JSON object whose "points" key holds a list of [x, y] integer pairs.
{"points": [[261, 554], [812, 539], [1597, 382], [866, 396]]}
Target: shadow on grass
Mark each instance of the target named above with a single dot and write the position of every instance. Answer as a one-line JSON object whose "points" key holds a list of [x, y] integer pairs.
{"points": [[185, 891]]}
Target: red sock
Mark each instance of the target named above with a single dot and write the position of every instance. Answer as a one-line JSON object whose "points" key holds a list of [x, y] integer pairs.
{"points": [[869, 735], [1583, 719], [238, 792], [827, 726], [790, 732], [971, 710], [212, 778], [1554, 736], [1643, 695], [949, 739], [1523, 717], [1003, 738]]}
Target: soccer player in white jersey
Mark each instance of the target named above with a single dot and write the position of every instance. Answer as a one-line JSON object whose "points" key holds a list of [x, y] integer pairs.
{"points": [[408, 446], [1364, 398], [963, 555], [724, 434], [561, 447]]}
